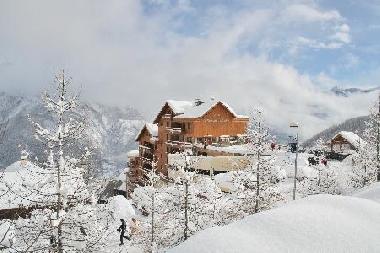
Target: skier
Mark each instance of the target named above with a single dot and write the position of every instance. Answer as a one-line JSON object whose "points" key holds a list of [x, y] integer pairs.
{"points": [[121, 229]]}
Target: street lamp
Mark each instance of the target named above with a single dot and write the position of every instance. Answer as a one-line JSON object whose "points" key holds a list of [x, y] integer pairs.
{"points": [[295, 125]]}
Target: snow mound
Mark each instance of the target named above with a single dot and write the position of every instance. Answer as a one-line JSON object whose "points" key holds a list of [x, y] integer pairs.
{"points": [[121, 208], [371, 192], [321, 223]]}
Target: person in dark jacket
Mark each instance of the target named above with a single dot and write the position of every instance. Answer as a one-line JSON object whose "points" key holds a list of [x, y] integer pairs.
{"points": [[122, 229]]}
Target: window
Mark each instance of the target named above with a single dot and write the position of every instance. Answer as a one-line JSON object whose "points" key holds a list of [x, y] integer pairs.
{"points": [[189, 139], [188, 126]]}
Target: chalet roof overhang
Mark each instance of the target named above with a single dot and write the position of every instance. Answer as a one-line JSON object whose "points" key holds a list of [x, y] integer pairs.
{"points": [[142, 131]]}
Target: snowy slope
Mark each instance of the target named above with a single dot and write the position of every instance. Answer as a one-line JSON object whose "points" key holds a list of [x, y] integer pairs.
{"points": [[371, 192], [321, 223], [111, 130]]}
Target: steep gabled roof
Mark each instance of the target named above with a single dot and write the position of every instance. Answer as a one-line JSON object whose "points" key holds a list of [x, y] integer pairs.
{"points": [[187, 109], [151, 128], [201, 110]]}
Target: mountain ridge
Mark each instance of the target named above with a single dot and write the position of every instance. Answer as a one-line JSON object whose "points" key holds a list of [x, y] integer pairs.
{"points": [[110, 131]]}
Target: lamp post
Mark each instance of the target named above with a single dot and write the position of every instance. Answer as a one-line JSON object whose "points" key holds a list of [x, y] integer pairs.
{"points": [[295, 125]]}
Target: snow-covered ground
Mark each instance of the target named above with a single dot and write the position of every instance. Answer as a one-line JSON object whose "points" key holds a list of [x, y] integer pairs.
{"points": [[320, 223]]}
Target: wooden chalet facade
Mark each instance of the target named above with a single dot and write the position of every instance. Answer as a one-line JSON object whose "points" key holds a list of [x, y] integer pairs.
{"points": [[180, 125]]}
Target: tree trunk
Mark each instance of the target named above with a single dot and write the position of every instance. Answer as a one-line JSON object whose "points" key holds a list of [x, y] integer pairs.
{"points": [[186, 207], [257, 183]]}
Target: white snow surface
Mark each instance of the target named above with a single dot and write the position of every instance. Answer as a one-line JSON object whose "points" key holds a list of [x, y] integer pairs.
{"points": [[121, 207], [191, 110], [133, 153], [179, 106], [152, 128], [371, 192], [320, 223], [188, 109]]}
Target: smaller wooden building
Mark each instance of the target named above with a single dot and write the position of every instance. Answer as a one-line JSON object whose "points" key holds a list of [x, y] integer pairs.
{"points": [[346, 142]]}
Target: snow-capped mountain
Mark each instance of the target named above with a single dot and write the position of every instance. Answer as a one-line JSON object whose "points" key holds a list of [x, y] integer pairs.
{"points": [[345, 92], [111, 131]]}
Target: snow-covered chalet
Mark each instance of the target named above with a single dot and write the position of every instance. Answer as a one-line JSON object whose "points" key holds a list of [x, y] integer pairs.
{"points": [[208, 128]]}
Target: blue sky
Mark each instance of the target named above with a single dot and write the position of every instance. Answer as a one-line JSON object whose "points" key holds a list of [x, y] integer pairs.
{"points": [[282, 55], [350, 64]]}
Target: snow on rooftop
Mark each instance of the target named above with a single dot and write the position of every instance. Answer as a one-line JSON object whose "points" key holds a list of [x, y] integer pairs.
{"points": [[215, 163], [133, 153], [152, 128], [242, 149], [179, 106], [188, 109], [352, 138], [320, 223]]}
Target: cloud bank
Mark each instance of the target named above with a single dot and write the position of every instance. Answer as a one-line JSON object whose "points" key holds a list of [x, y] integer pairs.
{"points": [[141, 53]]}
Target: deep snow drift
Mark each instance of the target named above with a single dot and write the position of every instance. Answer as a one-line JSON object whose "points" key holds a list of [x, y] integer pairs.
{"points": [[320, 223]]}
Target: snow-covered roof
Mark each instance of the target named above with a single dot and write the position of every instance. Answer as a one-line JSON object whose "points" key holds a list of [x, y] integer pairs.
{"points": [[232, 149], [179, 106], [133, 153], [151, 128], [196, 111], [215, 163], [352, 138]]}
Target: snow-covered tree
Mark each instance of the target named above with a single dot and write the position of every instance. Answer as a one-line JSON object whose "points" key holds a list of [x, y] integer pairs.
{"points": [[256, 188], [181, 206], [366, 161], [371, 149], [364, 169], [323, 178], [65, 216]]}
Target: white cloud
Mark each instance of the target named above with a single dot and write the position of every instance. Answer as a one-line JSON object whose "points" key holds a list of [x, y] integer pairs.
{"points": [[307, 13], [123, 56]]}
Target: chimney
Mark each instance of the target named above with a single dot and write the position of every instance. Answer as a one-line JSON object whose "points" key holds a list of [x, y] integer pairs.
{"points": [[198, 102]]}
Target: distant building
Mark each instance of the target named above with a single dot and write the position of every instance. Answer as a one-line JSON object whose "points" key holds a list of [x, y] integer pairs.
{"points": [[346, 142], [183, 124]]}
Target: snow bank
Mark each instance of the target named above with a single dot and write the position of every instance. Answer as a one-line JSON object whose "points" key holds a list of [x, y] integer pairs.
{"points": [[121, 208], [371, 192], [321, 223]]}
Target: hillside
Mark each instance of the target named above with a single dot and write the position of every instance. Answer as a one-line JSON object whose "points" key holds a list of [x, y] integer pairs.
{"points": [[356, 125], [111, 131]]}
